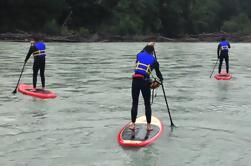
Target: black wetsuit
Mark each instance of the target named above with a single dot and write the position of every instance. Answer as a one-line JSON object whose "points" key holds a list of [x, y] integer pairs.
{"points": [[39, 64], [143, 85], [221, 56]]}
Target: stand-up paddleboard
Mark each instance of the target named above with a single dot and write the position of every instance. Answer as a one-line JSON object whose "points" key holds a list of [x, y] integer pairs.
{"points": [[39, 93], [140, 136], [223, 76]]}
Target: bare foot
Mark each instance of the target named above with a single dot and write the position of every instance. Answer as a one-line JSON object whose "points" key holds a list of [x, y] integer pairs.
{"points": [[132, 126], [33, 90], [149, 127]]}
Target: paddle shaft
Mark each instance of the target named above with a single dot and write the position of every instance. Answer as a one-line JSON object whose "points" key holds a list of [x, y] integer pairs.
{"points": [[19, 78], [214, 67], [152, 96], [165, 96], [171, 120]]}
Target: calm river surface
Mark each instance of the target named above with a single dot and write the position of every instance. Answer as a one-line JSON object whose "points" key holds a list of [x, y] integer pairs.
{"points": [[92, 81]]}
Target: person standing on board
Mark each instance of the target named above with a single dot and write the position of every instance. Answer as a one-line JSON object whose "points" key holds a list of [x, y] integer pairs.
{"points": [[145, 63], [37, 49], [222, 53]]}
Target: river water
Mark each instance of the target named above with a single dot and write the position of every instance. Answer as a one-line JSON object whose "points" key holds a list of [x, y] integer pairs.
{"points": [[92, 81]]}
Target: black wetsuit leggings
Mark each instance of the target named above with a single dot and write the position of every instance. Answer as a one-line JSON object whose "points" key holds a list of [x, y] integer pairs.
{"points": [[140, 84], [39, 64], [222, 57]]}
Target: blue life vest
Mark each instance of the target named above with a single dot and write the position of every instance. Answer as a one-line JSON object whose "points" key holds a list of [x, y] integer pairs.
{"points": [[40, 46], [224, 46], [144, 63]]}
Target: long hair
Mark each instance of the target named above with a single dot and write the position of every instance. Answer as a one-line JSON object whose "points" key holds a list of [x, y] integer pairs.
{"points": [[149, 49]]}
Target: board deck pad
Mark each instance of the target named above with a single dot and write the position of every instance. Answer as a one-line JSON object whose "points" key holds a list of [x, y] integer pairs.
{"points": [[140, 136], [223, 76], [39, 93], [140, 133]]}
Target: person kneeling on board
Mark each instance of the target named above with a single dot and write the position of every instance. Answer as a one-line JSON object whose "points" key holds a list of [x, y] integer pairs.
{"points": [[145, 63], [37, 48], [222, 52]]}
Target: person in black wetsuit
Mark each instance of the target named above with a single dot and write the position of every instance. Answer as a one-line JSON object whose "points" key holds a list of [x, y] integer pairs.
{"points": [[222, 53], [37, 49], [145, 63]]}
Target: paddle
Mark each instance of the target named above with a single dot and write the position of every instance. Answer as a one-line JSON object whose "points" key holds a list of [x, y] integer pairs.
{"points": [[214, 67], [172, 125], [15, 91], [152, 96]]}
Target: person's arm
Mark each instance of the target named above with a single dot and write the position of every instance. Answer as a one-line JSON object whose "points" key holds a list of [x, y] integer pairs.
{"points": [[31, 50], [158, 73], [218, 51], [229, 45], [136, 61]]}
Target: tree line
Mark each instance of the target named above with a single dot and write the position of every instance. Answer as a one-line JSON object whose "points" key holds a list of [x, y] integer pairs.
{"points": [[126, 17]]}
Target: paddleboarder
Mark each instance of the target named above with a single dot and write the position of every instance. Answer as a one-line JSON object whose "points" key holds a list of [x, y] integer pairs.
{"points": [[37, 49], [145, 63], [222, 53]]}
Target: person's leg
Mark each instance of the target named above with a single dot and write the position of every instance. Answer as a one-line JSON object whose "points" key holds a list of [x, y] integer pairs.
{"points": [[146, 92], [227, 63], [42, 68], [35, 71], [135, 100], [220, 64]]}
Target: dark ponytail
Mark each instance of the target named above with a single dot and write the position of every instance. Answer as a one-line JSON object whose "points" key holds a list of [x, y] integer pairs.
{"points": [[149, 49]]}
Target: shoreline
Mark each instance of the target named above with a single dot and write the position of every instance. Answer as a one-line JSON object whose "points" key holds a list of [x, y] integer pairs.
{"points": [[209, 37]]}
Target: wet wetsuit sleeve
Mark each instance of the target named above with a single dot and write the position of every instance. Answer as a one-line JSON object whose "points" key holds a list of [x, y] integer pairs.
{"points": [[136, 59], [158, 73], [31, 50]]}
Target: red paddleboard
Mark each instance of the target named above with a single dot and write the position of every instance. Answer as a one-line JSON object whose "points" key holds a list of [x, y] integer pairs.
{"points": [[223, 76], [39, 93], [140, 136]]}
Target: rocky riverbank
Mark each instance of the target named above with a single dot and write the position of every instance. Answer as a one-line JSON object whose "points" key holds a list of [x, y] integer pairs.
{"points": [[212, 37]]}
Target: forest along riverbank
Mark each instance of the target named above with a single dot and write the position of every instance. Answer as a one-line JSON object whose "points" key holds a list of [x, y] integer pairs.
{"points": [[207, 37]]}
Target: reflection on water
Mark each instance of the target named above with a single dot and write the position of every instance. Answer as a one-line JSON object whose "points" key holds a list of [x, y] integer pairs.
{"points": [[223, 90], [93, 81]]}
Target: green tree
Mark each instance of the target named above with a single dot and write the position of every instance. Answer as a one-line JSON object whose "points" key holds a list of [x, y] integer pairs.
{"points": [[87, 13], [126, 17], [238, 24], [134, 17], [29, 15]]}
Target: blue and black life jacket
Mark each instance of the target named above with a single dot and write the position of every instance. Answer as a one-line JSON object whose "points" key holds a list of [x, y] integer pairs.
{"points": [[224, 46], [144, 63], [40, 46]]}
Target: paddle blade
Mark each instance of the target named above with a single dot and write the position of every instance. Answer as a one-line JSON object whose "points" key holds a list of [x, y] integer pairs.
{"points": [[172, 125], [15, 91]]}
